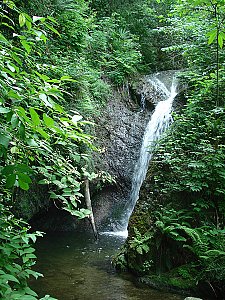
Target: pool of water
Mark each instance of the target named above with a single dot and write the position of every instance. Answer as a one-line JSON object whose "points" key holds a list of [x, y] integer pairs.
{"points": [[75, 267]]}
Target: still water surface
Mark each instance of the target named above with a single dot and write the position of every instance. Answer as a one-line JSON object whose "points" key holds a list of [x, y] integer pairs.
{"points": [[77, 268]]}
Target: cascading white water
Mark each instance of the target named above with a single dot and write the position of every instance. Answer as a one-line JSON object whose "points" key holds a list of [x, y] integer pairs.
{"points": [[159, 122]]}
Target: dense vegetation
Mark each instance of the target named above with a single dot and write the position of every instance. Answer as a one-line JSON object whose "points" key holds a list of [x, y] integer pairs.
{"points": [[57, 70], [52, 68], [177, 232]]}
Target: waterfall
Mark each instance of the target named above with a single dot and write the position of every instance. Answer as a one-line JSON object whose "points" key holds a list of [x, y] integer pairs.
{"points": [[159, 122]]}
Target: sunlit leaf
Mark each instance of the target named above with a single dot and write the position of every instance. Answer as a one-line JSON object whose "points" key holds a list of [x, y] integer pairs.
{"points": [[220, 40], [48, 120], [212, 36], [34, 116], [22, 19], [23, 185]]}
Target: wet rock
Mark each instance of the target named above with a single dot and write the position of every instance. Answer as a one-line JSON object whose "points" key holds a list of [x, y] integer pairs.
{"points": [[29, 203], [119, 131], [148, 87]]}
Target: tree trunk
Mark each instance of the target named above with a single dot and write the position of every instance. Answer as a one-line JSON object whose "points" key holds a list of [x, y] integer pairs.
{"points": [[89, 206]]}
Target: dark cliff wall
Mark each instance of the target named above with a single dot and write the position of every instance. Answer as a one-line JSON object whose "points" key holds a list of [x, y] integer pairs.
{"points": [[119, 130]]}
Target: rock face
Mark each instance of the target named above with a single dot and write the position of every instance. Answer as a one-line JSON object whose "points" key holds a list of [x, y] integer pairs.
{"points": [[120, 131], [149, 88]]}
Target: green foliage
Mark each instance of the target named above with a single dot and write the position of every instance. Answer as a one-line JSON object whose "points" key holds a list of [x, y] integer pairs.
{"points": [[193, 152], [91, 52], [144, 19], [16, 258], [189, 168], [206, 244], [140, 243], [114, 49], [171, 222], [119, 260], [200, 37], [39, 138]]}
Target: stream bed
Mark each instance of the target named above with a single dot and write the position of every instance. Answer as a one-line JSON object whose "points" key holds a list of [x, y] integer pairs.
{"points": [[75, 267]]}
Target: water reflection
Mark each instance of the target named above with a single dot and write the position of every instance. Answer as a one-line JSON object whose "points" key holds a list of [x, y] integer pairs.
{"points": [[78, 268]]}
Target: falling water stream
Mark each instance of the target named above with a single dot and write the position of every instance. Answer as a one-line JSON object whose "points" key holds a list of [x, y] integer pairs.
{"points": [[159, 122], [78, 268]]}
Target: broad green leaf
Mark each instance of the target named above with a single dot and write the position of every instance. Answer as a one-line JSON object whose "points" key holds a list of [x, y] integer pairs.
{"points": [[53, 195], [21, 112], [3, 39], [67, 78], [42, 76], [85, 211], [32, 143], [78, 214], [8, 277], [53, 80], [43, 37], [14, 95], [43, 181], [222, 34], [212, 36], [23, 168], [28, 250], [43, 133], [48, 120], [28, 24], [24, 177], [28, 297], [10, 181], [58, 107], [22, 19], [16, 58], [12, 67], [4, 140], [14, 150], [23, 185], [34, 116], [8, 169], [22, 130], [30, 292], [52, 29], [26, 46], [52, 19], [77, 158], [220, 40], [58, 130], [14, 121], [34, 273], [44, 98]]}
